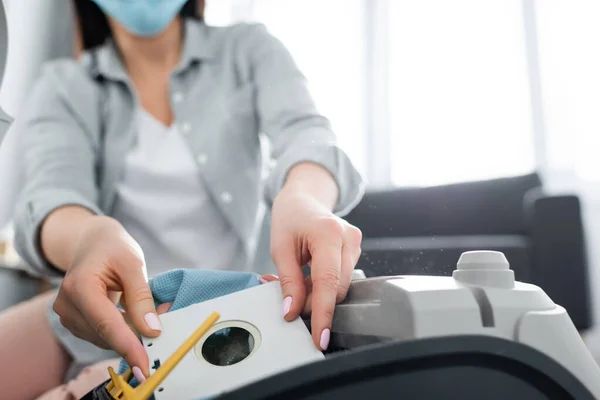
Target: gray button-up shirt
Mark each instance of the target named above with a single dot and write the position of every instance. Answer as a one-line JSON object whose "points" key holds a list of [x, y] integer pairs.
{"points": [[232, 85]]}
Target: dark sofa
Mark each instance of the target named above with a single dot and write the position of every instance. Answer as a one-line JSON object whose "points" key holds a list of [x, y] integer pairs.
{"points": [[424, 231]]}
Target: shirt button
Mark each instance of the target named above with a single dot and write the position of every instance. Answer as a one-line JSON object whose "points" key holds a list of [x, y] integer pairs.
{"points": [[202, 159], [186, 128], [177, 97], [226, 197]]}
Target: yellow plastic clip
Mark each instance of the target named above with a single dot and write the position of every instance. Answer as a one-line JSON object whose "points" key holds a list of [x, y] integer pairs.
{"points": [[118, 387], [112, 388]]}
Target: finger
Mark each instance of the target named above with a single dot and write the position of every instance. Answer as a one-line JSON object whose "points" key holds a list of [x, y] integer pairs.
{"points": [[347, 266], [115, 297], [349, 260], [73, 320], [83, 336], [123, 302], [353, 236], [128, 321], [78, 326], [138, 299], [106, 320], [163, 308], [268, 278], [308, 304], [350, 256], [89, 336], [326, 265], [291, 278]]}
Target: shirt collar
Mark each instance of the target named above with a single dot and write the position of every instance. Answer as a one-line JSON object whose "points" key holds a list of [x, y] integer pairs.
{"points": [[197, 46]]}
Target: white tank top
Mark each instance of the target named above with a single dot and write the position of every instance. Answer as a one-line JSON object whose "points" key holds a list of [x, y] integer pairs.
{"points": [[162, 203]]}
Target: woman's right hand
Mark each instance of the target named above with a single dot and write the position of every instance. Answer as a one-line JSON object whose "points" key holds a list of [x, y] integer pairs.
{"points": [[107, 261]]}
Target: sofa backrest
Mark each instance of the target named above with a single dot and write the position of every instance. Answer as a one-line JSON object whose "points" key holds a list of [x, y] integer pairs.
{"points": [[474, 208]]}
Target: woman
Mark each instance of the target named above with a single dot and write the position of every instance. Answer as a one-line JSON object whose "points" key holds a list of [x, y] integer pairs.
{"points": [[145, 156]]}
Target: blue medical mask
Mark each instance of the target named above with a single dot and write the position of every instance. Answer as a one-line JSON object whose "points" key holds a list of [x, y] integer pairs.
{"points": [[145, 18]]}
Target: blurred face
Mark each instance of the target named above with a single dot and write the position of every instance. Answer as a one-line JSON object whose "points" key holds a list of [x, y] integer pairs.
{"points": [[144, 18]]}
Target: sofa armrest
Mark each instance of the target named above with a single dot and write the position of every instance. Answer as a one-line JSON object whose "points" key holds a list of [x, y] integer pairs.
{"points": [[559, 262]]}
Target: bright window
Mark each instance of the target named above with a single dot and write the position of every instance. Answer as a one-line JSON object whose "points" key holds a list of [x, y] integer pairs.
{"points": [[219, 13], [326, 39], [568, 34], [459, 91]]}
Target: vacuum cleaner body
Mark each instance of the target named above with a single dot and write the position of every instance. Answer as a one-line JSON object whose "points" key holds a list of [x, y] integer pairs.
{"points": [[477, 334]]}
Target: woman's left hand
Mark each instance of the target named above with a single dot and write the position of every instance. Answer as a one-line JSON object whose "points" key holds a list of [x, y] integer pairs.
{"points": [[305, 231]]}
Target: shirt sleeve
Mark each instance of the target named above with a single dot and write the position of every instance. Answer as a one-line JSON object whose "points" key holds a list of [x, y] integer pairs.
{"points": [[59, 160], [288, 116]]}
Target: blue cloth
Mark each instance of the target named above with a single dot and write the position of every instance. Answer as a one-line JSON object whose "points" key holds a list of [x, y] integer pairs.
{"points": [[184, 287]]}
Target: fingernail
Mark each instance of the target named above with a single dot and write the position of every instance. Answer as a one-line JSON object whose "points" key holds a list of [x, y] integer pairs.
{"points": [[287, 304], [138, 374], [153, 321], [325, 339], [262, 280]]}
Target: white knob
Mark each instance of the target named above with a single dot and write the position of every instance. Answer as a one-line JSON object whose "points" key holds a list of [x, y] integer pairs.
{"points": [[482, 259], [358, 274], [484, 268]]}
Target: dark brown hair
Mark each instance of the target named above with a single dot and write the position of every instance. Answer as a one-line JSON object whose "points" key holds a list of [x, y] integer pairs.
{"points": [[94, 27]]}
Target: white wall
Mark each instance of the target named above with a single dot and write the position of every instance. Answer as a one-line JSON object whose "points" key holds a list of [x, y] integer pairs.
{"points": [[38, 30]]}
